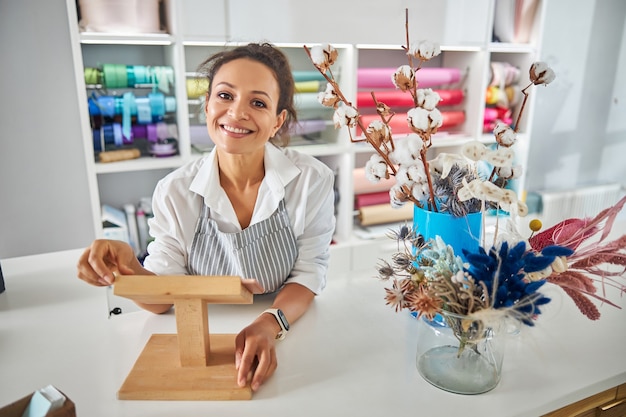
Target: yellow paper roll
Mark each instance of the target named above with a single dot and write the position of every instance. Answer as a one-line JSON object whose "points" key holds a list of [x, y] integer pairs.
{"points": [[307, 86], [197, 87], [384, 213]]}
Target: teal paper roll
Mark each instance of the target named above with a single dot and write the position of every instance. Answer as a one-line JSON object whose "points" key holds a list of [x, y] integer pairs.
{"points": [[299, 76]]}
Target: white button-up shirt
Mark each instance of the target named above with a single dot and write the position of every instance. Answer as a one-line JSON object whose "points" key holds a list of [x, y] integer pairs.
{"points": [[305, 184]]}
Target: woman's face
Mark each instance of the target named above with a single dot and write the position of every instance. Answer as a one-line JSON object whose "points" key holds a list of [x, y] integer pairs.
{"points": [[241, 107]]}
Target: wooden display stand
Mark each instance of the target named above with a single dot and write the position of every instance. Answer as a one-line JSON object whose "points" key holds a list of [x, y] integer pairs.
{"points": [[192, 364]]}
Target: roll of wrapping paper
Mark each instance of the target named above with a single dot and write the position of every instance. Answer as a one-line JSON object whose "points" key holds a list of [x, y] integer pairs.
{"points": [[384, 213], [399, 124], [362, 185], [488, 126], [307, 127], [398, 98], [312, 75], [307, 101], [371, 199], [119, 155], [308, 86], [197, 87], [373, 78]]}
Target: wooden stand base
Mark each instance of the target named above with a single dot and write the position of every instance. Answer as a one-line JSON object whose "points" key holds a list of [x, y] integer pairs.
{"points": [[158, 374]]}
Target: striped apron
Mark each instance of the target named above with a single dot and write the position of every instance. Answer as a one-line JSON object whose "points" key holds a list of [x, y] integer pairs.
{"points": [[265, 251]]}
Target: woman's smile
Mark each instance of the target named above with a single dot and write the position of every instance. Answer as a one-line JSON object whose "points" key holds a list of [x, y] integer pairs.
{"points": [[236, 130]]}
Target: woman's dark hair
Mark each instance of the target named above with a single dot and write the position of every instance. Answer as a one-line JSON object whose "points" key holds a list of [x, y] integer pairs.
{"points": [[277, 62]]}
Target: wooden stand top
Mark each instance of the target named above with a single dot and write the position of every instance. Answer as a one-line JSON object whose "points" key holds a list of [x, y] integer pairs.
{"points": [[166, 289]]}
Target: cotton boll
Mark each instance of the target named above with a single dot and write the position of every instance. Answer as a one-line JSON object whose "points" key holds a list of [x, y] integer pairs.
{"points": [[404, 78], [323, 56], [376, 169], [378, 132], [416, 173], [397, 196], [505, 136], [345, 116], [424, 121], [420, 191], [329, 97], [541, 73], [427, 98], [425, 50], [407, 151]]}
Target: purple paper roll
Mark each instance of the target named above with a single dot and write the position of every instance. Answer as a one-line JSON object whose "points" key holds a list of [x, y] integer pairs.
{"points": [[426, 77], [199, 135], [306, 127]]}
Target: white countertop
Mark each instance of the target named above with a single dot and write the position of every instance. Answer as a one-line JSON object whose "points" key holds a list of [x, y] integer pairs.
{"points": [[349, 355]]}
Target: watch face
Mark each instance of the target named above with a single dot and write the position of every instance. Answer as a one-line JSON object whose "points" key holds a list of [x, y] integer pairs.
{"points": [[283, 319]]}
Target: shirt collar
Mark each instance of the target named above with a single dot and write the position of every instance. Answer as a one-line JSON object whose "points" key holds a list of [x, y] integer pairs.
{"points": [[280, 170]]}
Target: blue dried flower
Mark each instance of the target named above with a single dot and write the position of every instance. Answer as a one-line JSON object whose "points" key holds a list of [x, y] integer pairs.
{"points": [[503, 271]]}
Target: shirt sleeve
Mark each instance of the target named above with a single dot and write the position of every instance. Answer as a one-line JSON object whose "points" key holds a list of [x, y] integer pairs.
{"points": [[175, 211], [317, 204]]}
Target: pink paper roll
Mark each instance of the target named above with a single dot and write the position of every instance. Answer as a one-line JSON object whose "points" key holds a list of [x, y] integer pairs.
{"points": [[488, 126], [362, 185], [371, 199], [398, 98], [372, 78], [399, 124]]}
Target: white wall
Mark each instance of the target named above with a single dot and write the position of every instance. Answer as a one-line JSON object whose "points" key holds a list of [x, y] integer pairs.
{"points": [[579, 130], [44, 197]]}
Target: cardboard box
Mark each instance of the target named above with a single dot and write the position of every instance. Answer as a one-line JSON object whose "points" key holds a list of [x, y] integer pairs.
{"points": [[17, 408]]}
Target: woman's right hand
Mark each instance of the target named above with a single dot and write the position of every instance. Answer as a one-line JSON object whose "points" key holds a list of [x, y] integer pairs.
{"points": [[104, 258]]}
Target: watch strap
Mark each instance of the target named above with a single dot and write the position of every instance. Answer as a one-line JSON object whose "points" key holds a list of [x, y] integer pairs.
{"points": [[281, 320]]}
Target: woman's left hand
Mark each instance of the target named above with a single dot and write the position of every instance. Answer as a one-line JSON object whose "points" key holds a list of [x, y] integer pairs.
{"points": [[255, 351]]}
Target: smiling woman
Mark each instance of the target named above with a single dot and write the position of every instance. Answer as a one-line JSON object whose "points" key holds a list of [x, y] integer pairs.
{"points": [[249, 208]]}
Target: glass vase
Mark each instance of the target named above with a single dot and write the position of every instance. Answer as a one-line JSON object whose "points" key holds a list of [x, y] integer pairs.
{"points": [[458, 232], [460, 354]]}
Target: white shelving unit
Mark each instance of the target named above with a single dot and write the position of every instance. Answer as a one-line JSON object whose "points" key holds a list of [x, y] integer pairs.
{"points": [[366, 34]]}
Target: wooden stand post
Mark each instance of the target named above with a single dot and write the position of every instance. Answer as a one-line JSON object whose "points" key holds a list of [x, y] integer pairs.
{"points": [[192, 364]]}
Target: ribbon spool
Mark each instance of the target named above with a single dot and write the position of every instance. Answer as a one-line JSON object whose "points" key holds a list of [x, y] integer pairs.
{"points": [[164, 148], [155, 104], [115, 76], [97, 140], [92, 76], [131, 76]]}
